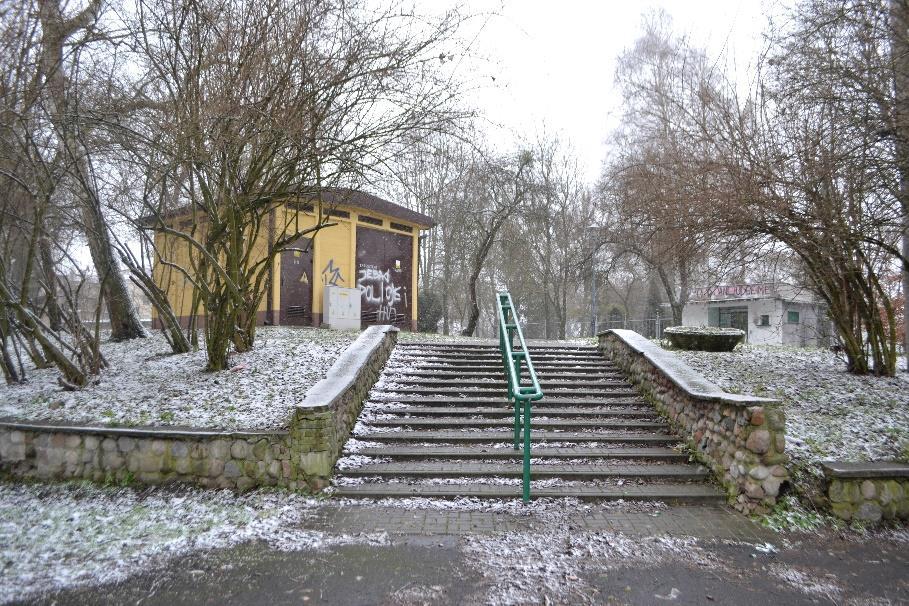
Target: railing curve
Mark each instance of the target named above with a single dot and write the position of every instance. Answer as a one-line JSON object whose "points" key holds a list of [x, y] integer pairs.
{"points": [[514, 361]]}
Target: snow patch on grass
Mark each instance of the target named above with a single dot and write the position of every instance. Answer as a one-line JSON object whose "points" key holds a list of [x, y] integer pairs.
{"points": [[57, 536], [146, 385], [830, 414]]}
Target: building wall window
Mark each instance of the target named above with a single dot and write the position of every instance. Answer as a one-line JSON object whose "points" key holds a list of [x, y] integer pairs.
{"points": [[792, 317], [765, 320]]}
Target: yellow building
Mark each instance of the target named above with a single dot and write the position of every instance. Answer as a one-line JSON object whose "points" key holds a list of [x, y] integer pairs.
{"points": [[373, 246]]}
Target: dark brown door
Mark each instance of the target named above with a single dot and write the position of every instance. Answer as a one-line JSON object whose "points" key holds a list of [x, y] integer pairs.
{"points": [[384, 265], [296, 284]]}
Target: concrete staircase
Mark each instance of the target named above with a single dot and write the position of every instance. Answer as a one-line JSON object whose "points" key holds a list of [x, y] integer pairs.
{"points": [[438, 424]]}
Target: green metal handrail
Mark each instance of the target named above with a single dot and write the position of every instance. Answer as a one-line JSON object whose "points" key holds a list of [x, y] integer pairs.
{"points": [[512, 362]]}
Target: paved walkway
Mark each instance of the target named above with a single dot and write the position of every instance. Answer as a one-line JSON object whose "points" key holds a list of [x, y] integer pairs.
{"points": [[699, 522], [478, 569]]}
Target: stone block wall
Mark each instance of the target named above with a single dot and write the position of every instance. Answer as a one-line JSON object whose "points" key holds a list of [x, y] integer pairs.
{"points": [[215, 460], [740, 438], [867, 492], [299, 458]]}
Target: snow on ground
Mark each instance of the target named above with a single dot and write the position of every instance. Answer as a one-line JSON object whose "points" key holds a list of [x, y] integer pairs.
{"points": [[524, 565], [57, 536], [146, 385], [830, 414]]}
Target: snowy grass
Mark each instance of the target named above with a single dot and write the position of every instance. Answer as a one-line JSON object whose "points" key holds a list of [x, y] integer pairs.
{"points": [[830, 414], [146, 385], [58, 536]]}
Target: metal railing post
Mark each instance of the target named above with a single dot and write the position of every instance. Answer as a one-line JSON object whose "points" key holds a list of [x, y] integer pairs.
{"points": [[517, 395]]}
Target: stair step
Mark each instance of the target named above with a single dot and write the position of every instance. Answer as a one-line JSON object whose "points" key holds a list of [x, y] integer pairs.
{"points": [[614, 437], [405, 373], [501, 384], [545, 403], [496, 357], [602, 392], [508, 411], [492, 344], [445, 416], [494, 350], [449, 469], [482, 452], [670, 493], [453, 422], [497, 368]]}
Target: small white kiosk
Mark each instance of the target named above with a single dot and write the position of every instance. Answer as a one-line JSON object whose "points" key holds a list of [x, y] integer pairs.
{"points": [[769, 313]]}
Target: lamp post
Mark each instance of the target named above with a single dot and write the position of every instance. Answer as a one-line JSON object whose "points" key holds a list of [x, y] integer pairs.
{"points": [[592, 230]]}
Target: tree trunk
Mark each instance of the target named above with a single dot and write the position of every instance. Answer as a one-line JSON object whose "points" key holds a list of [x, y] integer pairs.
{"points": [[473, 308], [54, 314], [124, 319]]}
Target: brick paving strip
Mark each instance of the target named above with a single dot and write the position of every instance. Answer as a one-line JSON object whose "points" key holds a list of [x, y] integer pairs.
{"points": [[707, 523]]}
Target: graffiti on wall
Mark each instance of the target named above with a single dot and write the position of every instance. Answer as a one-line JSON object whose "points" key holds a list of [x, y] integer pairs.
{"points": [[384, 276], [331, 275], [378, 289]]}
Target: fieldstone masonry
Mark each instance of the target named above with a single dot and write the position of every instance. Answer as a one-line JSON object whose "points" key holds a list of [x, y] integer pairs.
{"points": [[741, 438], [323, 422], [867, 492], [298, 458], [237, 460]]}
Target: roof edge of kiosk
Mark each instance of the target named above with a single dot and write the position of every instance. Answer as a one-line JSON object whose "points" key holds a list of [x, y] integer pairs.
{"points": [[365, 201], [344, 196]]}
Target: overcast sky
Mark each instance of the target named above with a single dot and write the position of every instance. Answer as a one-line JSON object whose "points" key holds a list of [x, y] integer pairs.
{"points": [[554, 62]]}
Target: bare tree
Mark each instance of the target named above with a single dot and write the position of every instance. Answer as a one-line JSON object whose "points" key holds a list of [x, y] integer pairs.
{"points": [[654, 188], [58, 83], [309, 95], [500, 189]]}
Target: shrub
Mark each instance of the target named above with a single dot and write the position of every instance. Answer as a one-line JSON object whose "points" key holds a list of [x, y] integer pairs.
{"points": [[704, 338]]}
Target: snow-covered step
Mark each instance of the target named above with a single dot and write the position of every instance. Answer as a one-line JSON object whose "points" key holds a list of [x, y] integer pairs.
{"points": [[465, 400], [508, 411], [406, 372], [507, 452], [615, 437], [555, 392], [448, 469], [439, 424], [538, 423], [593, 383], [496, 356], [494, 360], [497, 367]]}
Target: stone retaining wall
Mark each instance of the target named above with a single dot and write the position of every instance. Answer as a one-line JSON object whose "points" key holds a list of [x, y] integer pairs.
{"points": [[152, 456], [299, 458], [867, 492], [324, 420], [741, 438]]}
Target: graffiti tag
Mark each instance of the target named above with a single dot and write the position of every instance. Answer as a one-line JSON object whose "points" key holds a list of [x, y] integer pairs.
{"points": [[331, 275]]}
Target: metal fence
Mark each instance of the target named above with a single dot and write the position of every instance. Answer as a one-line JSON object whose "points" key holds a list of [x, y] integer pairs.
{"points": [[651, 328]]}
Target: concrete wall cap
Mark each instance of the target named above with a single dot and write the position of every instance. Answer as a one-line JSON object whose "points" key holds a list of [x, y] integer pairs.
{"points": [[683, 376], [343, 373], [150, 431], [870, 469]]}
